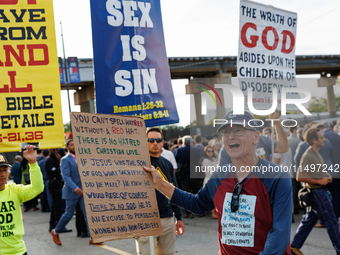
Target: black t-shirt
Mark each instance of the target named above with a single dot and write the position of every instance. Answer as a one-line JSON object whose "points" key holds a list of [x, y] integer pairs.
{"points": [[166, 170]]}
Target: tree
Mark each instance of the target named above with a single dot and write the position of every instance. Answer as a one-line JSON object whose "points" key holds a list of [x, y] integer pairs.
{"points": [[320, 104], [67, 127]]}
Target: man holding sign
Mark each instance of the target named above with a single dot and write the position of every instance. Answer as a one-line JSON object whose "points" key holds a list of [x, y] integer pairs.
{"points": [[165, 242], [253, 202]]}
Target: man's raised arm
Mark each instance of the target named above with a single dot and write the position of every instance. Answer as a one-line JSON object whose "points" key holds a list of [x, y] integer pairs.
{"points": [[282, 140]]}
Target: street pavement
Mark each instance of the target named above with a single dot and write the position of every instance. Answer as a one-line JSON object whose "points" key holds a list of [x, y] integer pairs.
{"points": [[200, 238]]}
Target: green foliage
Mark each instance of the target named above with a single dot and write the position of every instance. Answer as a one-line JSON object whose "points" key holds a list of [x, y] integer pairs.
{"points": [[320, 104], [67, 127]]}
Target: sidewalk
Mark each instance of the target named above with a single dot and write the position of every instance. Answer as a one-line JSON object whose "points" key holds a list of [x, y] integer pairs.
{"points": [[200, 238]]}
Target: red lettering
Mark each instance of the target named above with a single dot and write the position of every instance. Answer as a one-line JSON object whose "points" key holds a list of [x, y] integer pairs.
{"points": [[32, 61], [286, 33], [32, 53], [13, 88], [8, 1], [5, 89], [117, 130], [264, 38], [253, 38], [16, 1], [20, 58]]}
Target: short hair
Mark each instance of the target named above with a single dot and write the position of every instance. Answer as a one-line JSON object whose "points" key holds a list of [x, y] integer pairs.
{"points": [[311, 135], [326, 125], [198, 138], [46, 153], [68, 142], [291, 129], [18, 157], [187, 139], [180, 140], [205, 143], [154, 129], [267, 128], [319, 126]]}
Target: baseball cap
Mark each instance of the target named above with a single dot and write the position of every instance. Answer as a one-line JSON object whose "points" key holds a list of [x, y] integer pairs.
{"points": [[3, 161], [245, 119]]}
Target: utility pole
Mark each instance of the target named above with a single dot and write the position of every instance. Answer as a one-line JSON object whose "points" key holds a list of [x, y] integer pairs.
{"points": [[66, 71]]}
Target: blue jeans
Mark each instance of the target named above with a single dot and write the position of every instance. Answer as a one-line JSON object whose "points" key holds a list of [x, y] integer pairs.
{"points": [[322, 208], [69, 212]]}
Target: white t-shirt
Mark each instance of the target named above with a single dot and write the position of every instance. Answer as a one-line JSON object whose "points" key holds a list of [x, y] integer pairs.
{"points": [[169, 156], [285, 160], [207, 164]]}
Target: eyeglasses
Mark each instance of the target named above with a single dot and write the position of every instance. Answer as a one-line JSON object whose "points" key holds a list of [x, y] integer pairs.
{"points": [[210, 151], [235, 197], [152, 140], [239, 131]]}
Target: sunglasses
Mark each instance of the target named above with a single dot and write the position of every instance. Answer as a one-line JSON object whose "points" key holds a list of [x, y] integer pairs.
{"points": [[152, 140], [235, 197], [239, 131], [210, 151]]}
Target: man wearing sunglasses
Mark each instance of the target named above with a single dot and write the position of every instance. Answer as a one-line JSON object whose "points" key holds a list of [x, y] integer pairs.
{"points": [[264, 146], [254, 207], [165, 243]]}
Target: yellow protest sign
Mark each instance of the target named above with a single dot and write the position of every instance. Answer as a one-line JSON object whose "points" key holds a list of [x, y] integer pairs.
{"points": [[30, 103]]}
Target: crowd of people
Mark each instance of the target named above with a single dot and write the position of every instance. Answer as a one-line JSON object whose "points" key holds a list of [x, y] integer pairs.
{"points": [[187, 180], [292, 149]]}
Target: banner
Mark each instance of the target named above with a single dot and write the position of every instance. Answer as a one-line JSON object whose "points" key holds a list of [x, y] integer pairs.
{"points": [[120, 198], [132, 74], [73, 70], [61, 70], [266, 56], [29, 87]]}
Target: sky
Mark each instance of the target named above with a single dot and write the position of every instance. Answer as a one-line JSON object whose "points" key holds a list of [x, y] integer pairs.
{"points": [[199, 28]]}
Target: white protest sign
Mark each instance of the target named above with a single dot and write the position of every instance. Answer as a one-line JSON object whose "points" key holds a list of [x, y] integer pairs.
{"points": [[266, 56]]}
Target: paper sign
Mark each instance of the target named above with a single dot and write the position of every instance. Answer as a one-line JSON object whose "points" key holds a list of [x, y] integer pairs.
{"points": [[29, 85], [266, 55], [238, 228], [120, 197]]}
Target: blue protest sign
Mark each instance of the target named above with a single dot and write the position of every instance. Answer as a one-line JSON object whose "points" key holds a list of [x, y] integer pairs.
{"points": [[132, 74]]}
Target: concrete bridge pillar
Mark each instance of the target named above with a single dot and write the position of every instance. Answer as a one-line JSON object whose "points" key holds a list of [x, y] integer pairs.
{"points": [[329, 82]]}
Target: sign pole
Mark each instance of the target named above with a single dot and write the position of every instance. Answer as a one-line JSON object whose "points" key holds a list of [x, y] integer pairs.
{"points": [[152, 245], [66, 72], [273, 145]]}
